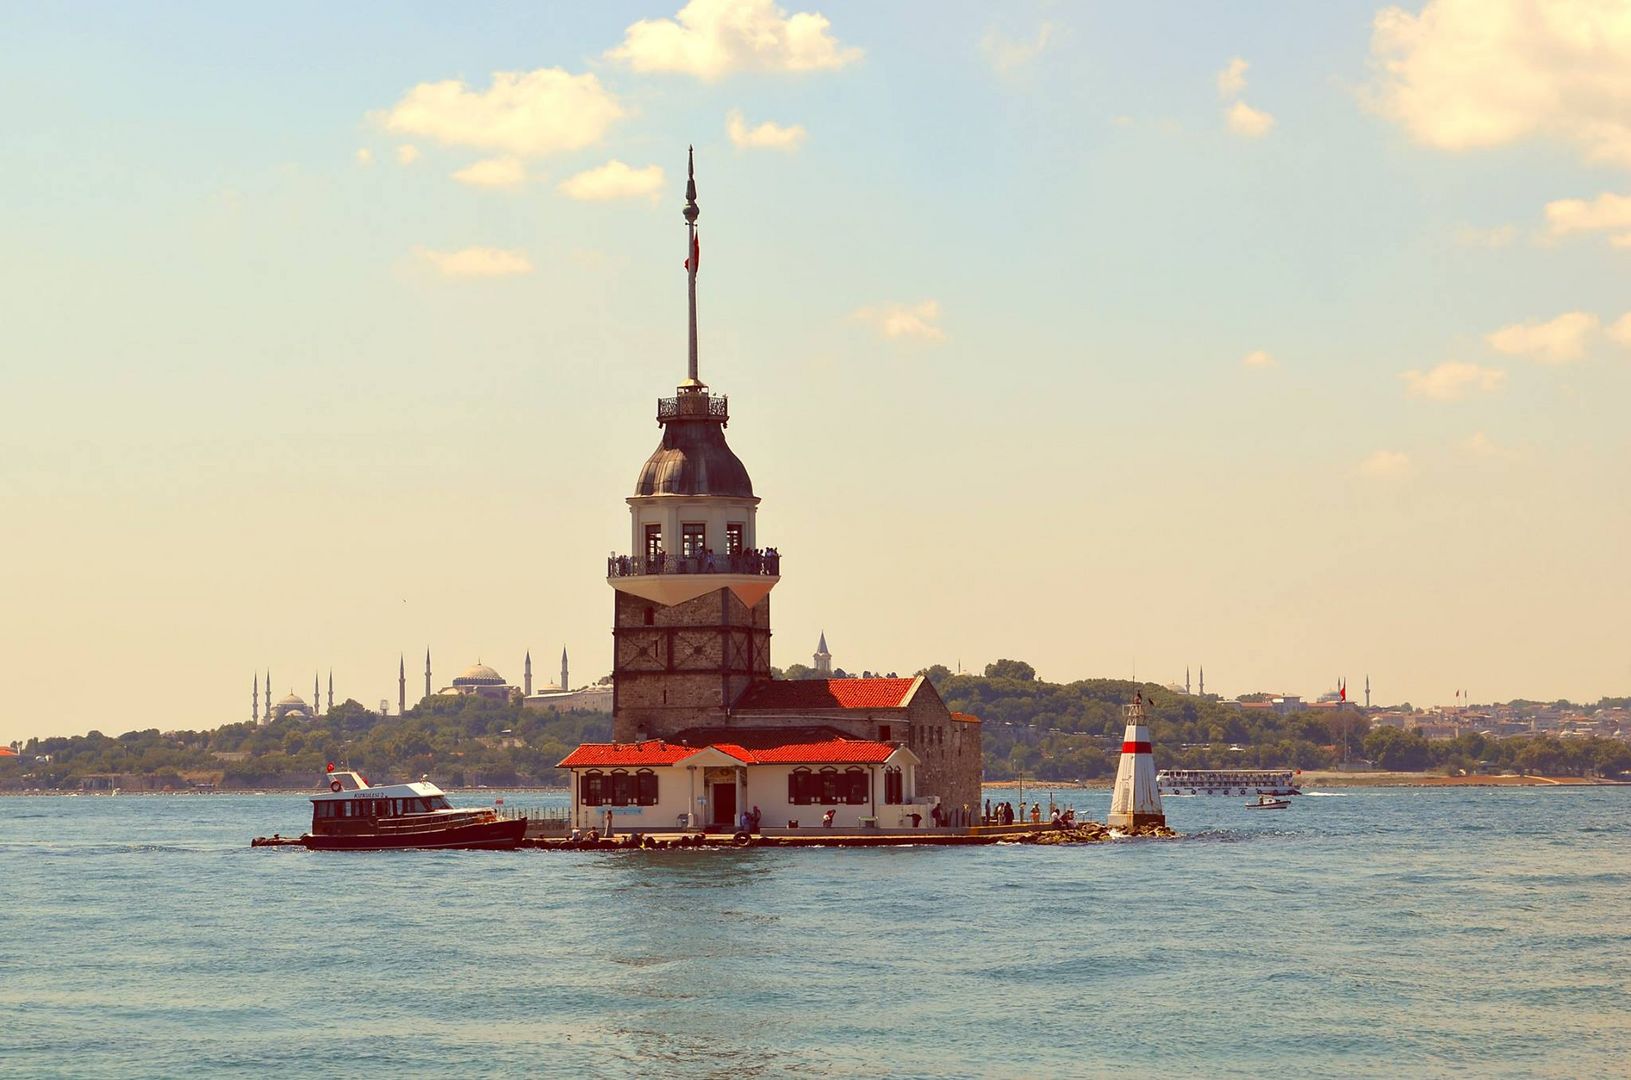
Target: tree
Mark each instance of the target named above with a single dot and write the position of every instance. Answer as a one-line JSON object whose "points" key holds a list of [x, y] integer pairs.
{"points": [[1010, 669], [937, 674], [800, 671]]}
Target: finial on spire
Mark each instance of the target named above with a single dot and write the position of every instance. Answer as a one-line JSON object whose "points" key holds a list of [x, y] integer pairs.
{"points": [[693, 255]]}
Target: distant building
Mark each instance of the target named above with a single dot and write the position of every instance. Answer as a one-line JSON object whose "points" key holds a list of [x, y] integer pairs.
{"points": [[822, 658]]}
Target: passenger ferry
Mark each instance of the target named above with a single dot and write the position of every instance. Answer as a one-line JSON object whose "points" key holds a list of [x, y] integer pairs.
{"points": [[1227, 782], [353, 815]]}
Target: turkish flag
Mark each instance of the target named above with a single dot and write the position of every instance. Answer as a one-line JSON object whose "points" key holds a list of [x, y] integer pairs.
{"points": [[695, 260]]}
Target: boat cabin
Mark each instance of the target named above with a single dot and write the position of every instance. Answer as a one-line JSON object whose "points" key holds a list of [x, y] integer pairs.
{"points": [[351, 805]]}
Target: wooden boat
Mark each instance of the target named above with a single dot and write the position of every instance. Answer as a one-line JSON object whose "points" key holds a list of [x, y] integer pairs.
{"points": [[353, 815], [1268, 802]]}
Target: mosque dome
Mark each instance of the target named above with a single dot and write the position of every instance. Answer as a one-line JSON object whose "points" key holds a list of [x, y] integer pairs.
{"points": [[294, 699], [694, 459], [479, 675]]}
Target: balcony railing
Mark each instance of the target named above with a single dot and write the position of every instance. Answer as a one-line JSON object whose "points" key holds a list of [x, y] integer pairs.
{"points": [[760, 562], [704, 405]]}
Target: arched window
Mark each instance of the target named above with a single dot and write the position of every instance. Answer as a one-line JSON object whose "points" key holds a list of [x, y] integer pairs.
{"points": [[857, 788], [622, 788], [829, 786], [590, 789], [645, 784], [800, 787], [894, 789]]}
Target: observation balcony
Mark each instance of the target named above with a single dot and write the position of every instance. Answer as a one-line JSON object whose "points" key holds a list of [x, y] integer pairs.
{"points": [[673, 579], [694, 406]]}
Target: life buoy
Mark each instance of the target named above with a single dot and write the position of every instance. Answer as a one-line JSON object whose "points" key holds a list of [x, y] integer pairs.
{"points": [[742, 839], [335, 785]]}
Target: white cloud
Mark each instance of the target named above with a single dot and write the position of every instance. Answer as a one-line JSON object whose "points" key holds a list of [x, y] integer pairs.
{"points": [[1232, 79], [1257, 359], [1620, 332], [1247, 121], [713, 38], [365, 156], [407, 155], [614, 180], [1385, 463], [523, 113], [1557, 341], [766, 136], [1480, 445], [1606, 213], [919, 322], [1498, 236], [499, 172], [476, 262], [1464, 74], [1452, 381], [1006, 56]]}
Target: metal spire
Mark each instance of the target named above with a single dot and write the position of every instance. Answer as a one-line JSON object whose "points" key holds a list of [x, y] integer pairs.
{"points": [[691, 257]]}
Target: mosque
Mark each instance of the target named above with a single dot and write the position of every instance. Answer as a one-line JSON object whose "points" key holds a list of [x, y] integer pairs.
{"points": [[691, 645], [291, 705]]}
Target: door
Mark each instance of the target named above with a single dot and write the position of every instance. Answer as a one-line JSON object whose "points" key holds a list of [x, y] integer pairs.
{"points": [[724, 805]]}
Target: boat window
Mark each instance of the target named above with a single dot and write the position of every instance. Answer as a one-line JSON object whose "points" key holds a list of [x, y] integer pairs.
{"points": [[646, 787], [589, 789], [440, 803]]}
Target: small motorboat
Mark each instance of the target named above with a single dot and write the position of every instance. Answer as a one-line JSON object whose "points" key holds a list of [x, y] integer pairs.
{"points": [[1268, 802], [353, 815]]}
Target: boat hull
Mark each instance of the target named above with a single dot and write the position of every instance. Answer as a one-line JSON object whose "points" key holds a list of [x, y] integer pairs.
{"points": [[498, 835]]}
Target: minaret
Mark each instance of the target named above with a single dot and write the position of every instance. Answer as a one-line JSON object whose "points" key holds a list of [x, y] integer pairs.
{"points": [[692, 608], [526, 675], [565, 684], [316, 694], [1203, 680], [330, 691], [1186, 681], [401, 684], [1367, 691], [427, 674], [255, 700], [823, 658]]}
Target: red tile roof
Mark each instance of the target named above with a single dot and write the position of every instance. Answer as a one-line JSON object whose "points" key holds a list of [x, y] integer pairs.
{"points": [[967, 718], [834, 752], [827, 694], [658, 753], [614, 755]]}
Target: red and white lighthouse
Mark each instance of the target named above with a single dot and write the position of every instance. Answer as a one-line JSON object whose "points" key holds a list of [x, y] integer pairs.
{"points": [[1136, 799]]}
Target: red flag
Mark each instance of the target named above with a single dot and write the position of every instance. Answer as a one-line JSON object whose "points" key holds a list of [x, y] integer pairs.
{"points": [[1343, 692], [331, 766], [695, 260]]}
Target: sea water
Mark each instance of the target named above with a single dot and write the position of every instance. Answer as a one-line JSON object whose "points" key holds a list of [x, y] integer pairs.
{"points": [[1382, 932]]}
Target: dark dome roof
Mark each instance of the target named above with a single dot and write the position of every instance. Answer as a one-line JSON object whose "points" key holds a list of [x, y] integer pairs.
{"points": [[693, 459]]}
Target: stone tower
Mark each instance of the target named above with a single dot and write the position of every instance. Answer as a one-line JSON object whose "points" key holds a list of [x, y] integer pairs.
{"points": [[822, 658], [691, 624]]}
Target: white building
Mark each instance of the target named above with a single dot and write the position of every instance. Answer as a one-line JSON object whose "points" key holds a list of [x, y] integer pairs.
{"points": [[657, 785]]}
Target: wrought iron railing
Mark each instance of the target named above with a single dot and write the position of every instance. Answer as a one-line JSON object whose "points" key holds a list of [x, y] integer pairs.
{"points": [[705, 405], [763, 562]]}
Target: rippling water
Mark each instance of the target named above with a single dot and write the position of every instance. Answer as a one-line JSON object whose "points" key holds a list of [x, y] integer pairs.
{"points": [[1377, 933]]}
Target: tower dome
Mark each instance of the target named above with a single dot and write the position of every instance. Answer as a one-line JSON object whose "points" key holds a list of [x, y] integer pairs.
{"points": [[693, 458], [479, 675]]}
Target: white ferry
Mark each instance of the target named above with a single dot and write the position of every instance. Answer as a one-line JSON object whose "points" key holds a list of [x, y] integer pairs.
{"points": [[1227, 782], [353, 815]]}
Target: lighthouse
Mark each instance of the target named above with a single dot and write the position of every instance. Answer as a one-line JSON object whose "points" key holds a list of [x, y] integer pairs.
{"points": [[691, 627], [1136, 800]]}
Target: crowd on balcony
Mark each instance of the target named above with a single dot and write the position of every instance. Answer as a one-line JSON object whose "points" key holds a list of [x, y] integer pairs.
{"points": [[765, 561]]}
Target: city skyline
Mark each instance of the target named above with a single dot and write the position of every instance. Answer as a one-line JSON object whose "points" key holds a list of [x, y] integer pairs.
{"points": [[1111, 341]]}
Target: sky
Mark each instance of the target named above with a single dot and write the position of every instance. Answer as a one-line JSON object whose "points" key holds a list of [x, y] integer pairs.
{"points": [[1289, 340]]}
